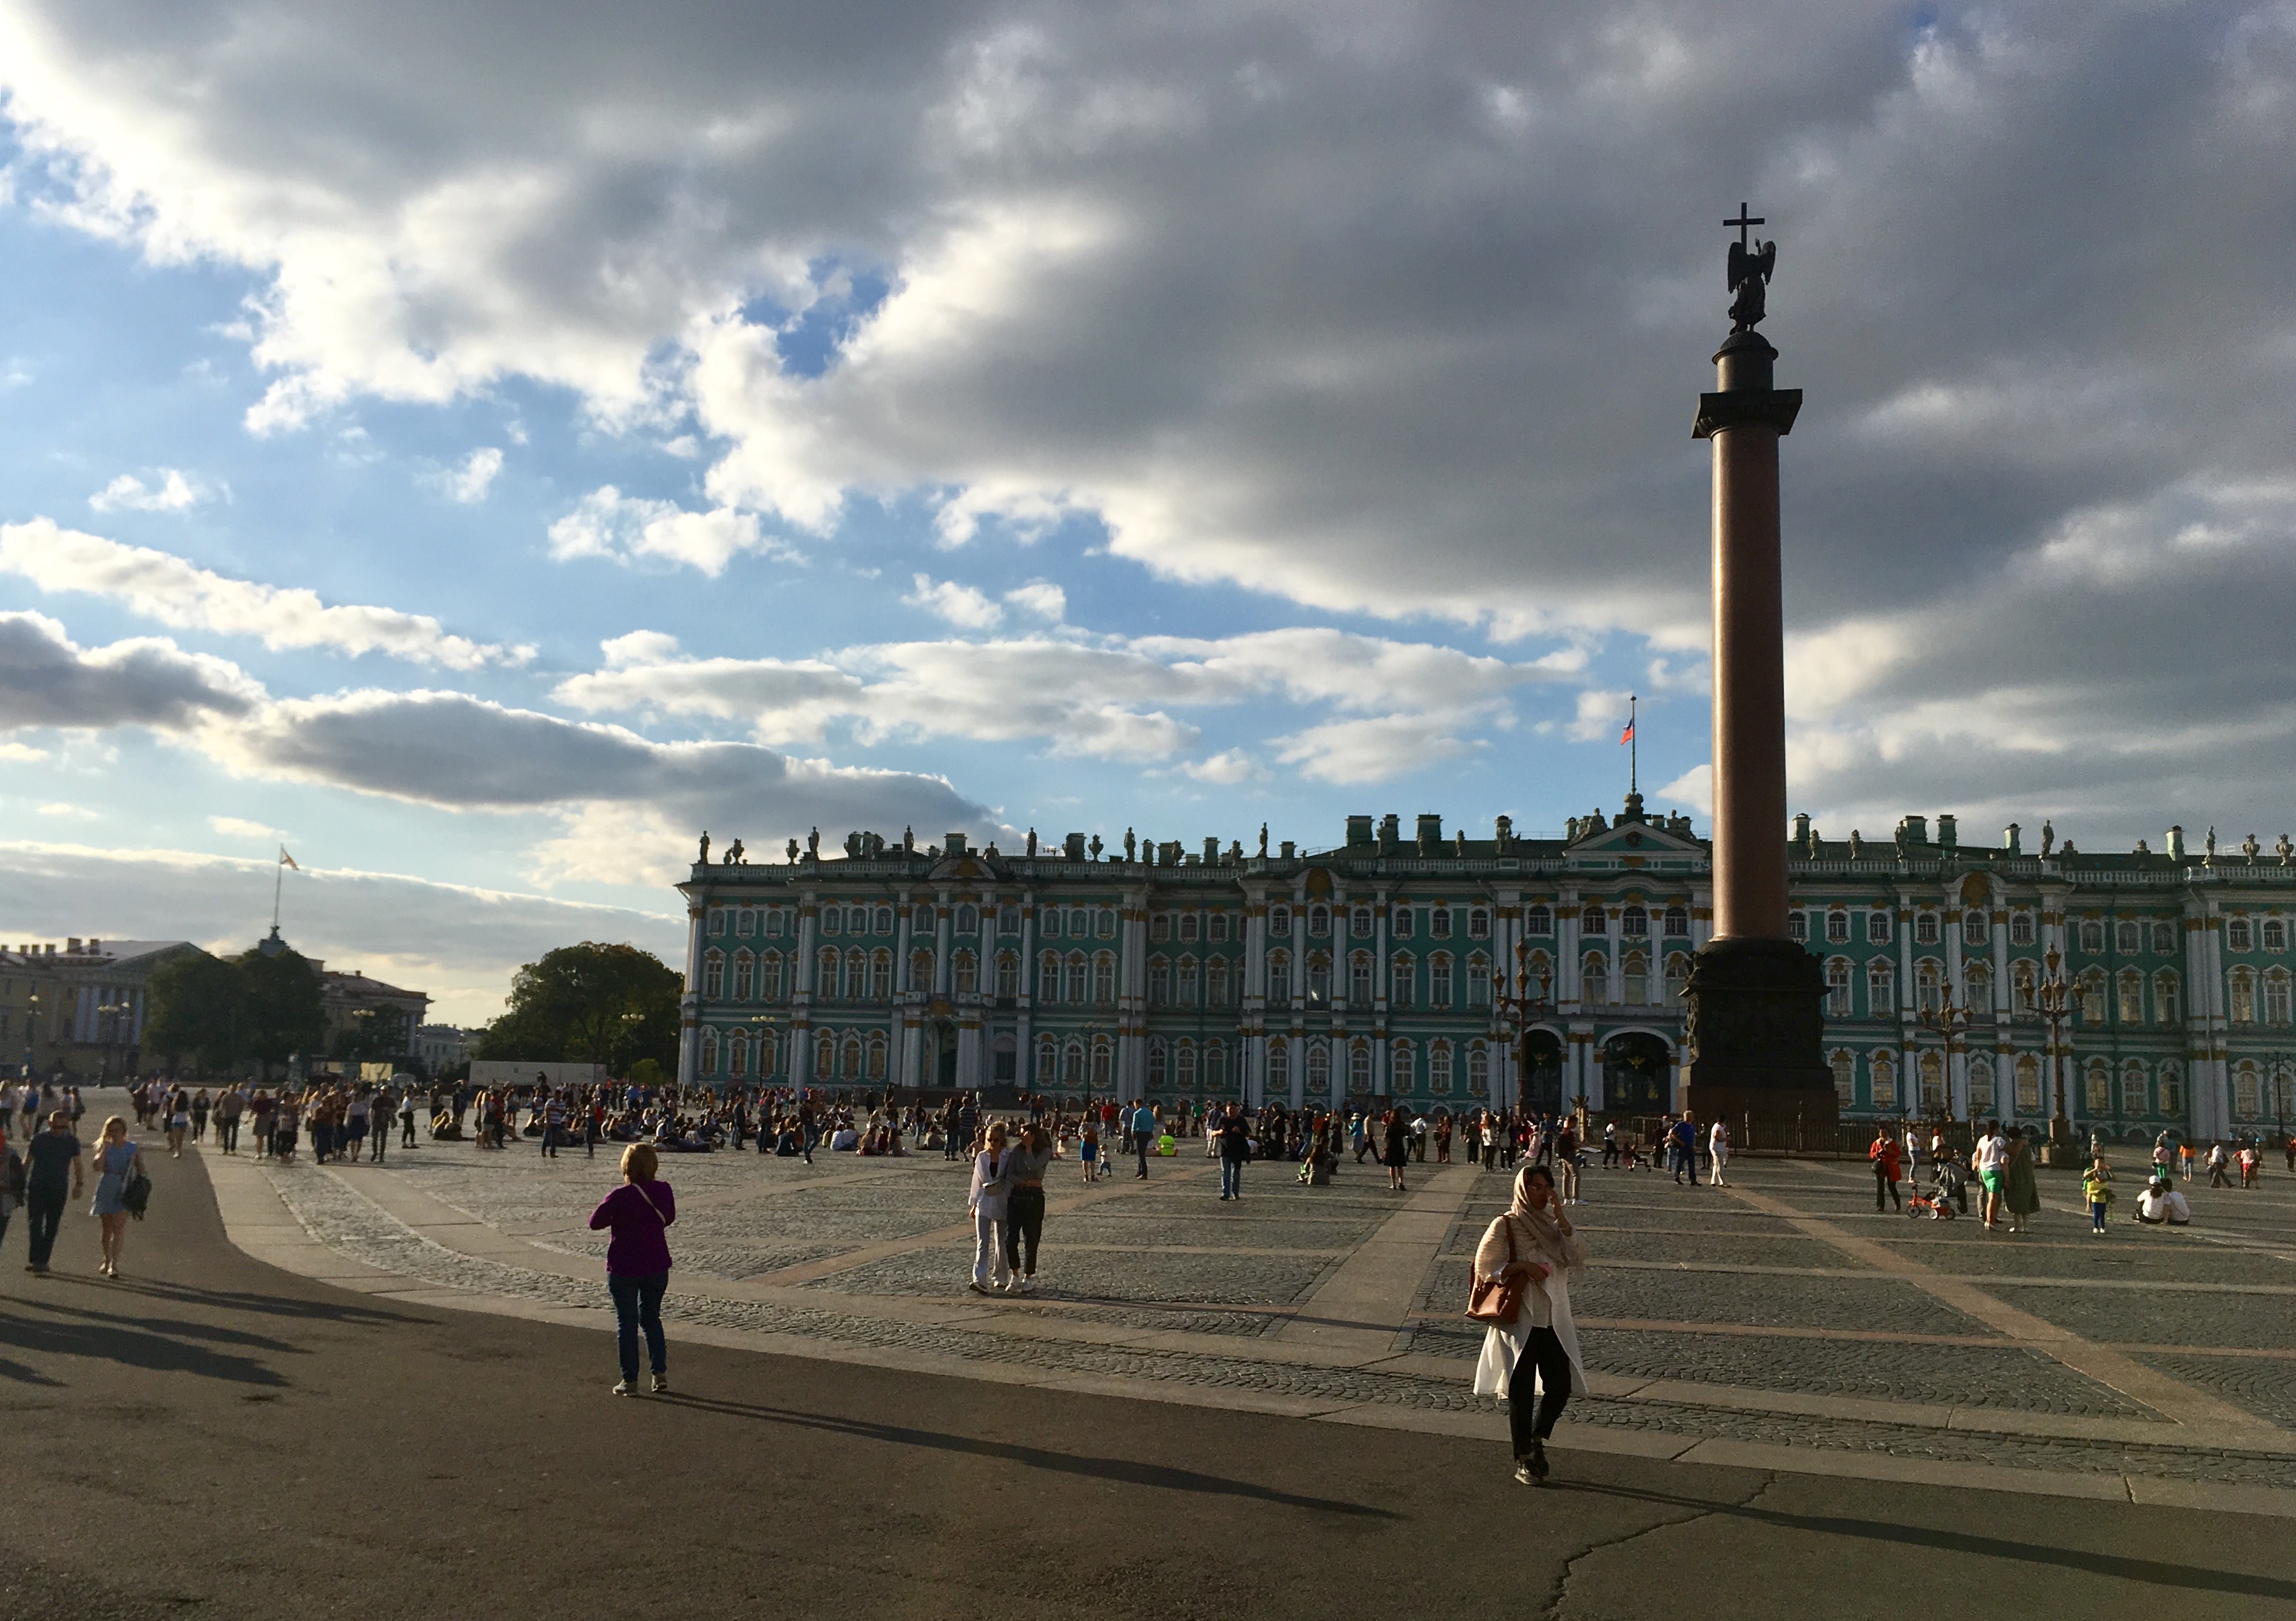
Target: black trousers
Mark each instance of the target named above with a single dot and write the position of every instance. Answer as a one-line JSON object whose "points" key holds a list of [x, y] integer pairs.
{"points": [[1885, 1182], [1542, 1351], [1024, 1221], [43, 1209]]}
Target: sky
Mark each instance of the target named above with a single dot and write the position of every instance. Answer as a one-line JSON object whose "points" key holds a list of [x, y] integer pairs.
{"points": [[480, 447]]}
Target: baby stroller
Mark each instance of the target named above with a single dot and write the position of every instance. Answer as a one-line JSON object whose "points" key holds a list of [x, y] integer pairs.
{"points": [[1936, 1202]]}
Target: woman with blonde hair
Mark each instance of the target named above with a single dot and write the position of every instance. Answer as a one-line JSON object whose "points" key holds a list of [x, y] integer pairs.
{"points": [[117, 1161], [1533, 1244], [637, 1262]]}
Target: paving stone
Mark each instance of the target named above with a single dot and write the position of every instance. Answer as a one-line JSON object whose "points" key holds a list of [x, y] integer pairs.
{"points": [[1201, 1280], [2264, 1385], [2264, 1321], [1757, 1301]]}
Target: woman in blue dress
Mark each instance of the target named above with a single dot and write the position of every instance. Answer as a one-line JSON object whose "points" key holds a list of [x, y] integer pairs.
{"points": [[116, 1164]]}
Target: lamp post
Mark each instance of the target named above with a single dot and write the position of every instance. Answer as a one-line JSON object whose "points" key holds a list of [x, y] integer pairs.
{"points": [[108, 1027], [1514, 1006], [31, 1031], [2055, 997], [1952, 1022]]}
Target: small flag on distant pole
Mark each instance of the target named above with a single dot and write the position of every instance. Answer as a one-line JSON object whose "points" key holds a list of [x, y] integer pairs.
{"points": [[1634, 756], [1628, 736], [285, 860]]}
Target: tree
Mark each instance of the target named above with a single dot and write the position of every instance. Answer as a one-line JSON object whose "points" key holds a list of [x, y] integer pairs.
{"points": [[280, 1011], [195, 1011], [372, 1036], [590, 1003]]}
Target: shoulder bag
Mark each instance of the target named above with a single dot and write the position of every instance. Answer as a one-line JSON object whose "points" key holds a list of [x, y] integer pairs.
{"points": [[1498, 1300]]}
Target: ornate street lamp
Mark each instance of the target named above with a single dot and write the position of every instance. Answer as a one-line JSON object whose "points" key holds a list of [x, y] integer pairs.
{"points": [[31, 1032], [2055, 997], [1513, 1005], [108, 1023], [1952, 1022]]}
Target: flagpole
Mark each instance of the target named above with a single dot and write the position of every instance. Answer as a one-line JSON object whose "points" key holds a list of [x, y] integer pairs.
{"points": [[278, 883], [1633, 748]]}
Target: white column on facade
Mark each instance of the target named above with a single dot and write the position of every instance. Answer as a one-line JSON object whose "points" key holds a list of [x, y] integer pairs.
{"points": [[1254, 999], [944, 934], [689, 1023], [2208, 1100], [1957, 1061], [2004, 1059], [1566, 949], [808, 940], [901, 936]]}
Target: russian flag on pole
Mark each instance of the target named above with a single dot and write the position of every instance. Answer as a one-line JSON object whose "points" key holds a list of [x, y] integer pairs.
{"points": [[1628, 736]]}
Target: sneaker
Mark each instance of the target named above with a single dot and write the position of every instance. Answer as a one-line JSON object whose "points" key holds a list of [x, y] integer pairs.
{"points": [[978, 1287], [1537, 1460], [1523, 1475], [1028, 1286], [661, 1384], [623, 1387]]}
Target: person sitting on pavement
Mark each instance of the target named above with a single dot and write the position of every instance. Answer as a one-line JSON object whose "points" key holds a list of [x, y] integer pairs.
{"points": [[2160, 1205]]}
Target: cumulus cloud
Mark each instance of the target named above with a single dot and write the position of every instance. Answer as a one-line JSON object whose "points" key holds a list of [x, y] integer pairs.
{"points": [[1109, 700], [1042, 598], [458, 943], [960, 605], [632, 528], [159, 585], [48, 680], [469, 479], [1396, 314], [175, 493], [239, 827]]}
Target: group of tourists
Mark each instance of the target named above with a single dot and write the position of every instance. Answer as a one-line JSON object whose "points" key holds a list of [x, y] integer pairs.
{"points": [[43, 1169]]}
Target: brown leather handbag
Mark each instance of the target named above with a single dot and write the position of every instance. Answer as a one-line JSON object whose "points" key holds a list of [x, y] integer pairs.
{"points": [[1497, 1299]]}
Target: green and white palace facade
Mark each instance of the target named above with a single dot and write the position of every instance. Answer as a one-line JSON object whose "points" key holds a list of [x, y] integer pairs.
{"points": [[1368, 970]]}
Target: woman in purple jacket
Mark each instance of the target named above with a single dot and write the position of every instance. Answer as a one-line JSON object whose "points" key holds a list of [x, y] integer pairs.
{"points": [[637, 1261]]}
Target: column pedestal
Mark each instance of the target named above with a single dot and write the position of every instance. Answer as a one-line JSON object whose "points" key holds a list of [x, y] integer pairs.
{"points": [[1755, 1027]]}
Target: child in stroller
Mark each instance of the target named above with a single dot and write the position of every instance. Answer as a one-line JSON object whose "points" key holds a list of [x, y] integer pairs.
{"points": [[1946, 1188]]}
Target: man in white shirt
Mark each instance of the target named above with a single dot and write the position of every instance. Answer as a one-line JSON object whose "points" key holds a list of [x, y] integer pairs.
{"points": [[1991, 1151], [2161, 1206]]}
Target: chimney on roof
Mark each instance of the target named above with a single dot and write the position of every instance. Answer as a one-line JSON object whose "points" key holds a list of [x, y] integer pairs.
{"points": [[1430, 833], [2176, 844], [1949, 836], [72, 944], [2009, 840]]}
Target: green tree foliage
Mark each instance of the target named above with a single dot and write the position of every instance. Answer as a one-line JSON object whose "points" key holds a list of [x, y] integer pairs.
{"points": [[372, 1036], [280, 1012], [590, 1003], [193, 1011]]}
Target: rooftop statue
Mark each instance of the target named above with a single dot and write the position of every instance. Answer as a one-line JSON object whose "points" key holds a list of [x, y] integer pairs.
{"points": [[1751, 264]]}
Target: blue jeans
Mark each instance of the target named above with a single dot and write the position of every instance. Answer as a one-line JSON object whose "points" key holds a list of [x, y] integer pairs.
{"points": [[1231, 1178], [638, 1305]]}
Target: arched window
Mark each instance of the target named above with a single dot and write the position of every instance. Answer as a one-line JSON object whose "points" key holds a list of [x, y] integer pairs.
{"points": [[832, 919], [2135, 1088], [1160, 926], [2020, 929], [1400, 1061], [1595, 980], [1279, 1068], [1184, 1066], [1190, 983], [1319, 979], [1279, 978], [1478, 981], [1399, 976], [1439, 1068], [2098, 1084], [1592, 921], [2024, 989], [1104, 979], [1837, 927], [1538, 921], [1977, 982], [1881, 988], [1359, 923], [1359, 975], [2276, 934], [1885, 1081], [774, 921], [1974, 932], [744, 921], [1049, 922], [769, 1055], [2165, 1004], [2092, 936], [1215, 1065], [1160, 983], [1479, 924], [921, 971], [1048, 1064], [713, 975], [1048, 976], [737, 1055], [824, 973], [1634, 921], [1981, 1087], [880, 975], [1100, 1061], [857, 974], [1677, 977], [1156, 1063], [884, 920], [1845, 1076], [852, 1069], [1932, 1080], [1078, 987], [2164, 939], [856, 920], [1216, 982], [1188, 928], [2238, 935], [710, 1052], [2243, 996], [1636, 979], [2125, 938], [924, 922], [2276, 995], [744, 976], [2028, 1084], [1319, 922], [825, 1055], [1929, 985], [968, 920], [1478, 1070], [2172, 1090], [1837, 988], [876, 1058], [1107, 915], [1877, 928], [1359, 1067], [2246, 1091], [1279, 922], [1072, 1065], [2091, 991], [966, 973], [1439, 980], [1319, 1068], [1925, 928], [1008, 975], [2131, 985]]}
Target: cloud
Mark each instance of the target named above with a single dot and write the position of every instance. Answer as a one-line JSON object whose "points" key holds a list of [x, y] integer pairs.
{"points": [[1227, 768], [1375, 748], [630, 528], [21, 754], [239, 827], [128, 494], [80, 811], [960, 605], [159, 587], [459, 942], [48, 680], [1109, 701], [469, 479], [1042, 598]]}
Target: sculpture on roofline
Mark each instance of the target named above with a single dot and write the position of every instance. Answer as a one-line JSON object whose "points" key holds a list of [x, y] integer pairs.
{"points": [[705, 847], [734, 855]]}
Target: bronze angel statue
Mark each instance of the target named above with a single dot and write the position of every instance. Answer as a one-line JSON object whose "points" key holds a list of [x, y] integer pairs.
{"points": [[1750, 273]]}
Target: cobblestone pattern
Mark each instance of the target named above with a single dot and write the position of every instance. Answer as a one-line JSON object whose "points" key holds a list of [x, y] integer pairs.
{"points": [[2264, 1385], [2123, 1256], [1714, 1249], [1758, 1301], [1243, 1232], [2264, 1321], [1194, 1280]]}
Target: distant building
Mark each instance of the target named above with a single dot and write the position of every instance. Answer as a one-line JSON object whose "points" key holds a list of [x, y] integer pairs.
{"points": [[351, 1002], [442, 1046], [1367, 971], [79, 1010]]}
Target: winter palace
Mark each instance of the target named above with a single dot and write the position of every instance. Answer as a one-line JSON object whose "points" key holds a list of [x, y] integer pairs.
{"points": [[1369, 969]]}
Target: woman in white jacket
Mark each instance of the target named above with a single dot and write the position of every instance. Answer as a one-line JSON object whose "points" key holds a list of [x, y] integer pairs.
{"points": [[986, 1200], [1533, 1240]]}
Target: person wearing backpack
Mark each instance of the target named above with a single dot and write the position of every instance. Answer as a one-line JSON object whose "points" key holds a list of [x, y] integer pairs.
{"points": [[637, 1262]]}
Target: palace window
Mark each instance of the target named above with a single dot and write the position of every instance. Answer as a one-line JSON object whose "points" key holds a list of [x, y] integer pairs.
{"points": [[1184, 1067], [1880, 989], [1478, 924], [2276, 934], [1319, 979], [1319, 922], [1634, 921], [774, 921], [2245, 1091], [1319, 1068], [1048, 1059], [1160, 927], [1216, 982], [2238, 934], [1399, 976], [2165, 1001], [1885, 1081], [737, 1052], [717, 920], [921, 971], [1008, 976], [968, 920], [1103, 979], [1048, 976], [2276, 995], [2243, 996], [769, 977], [1925, 928], [852, 1069], [1399, 1068], [1359, 979], [925, 921], [856, 920], [1101, 1059], [1932, 1080], [857, 975], [1837, 927], [1877, 928], [1188, 928], [1156, 1065], [2090, 990], [2024, 989], [1279, 978], [713, 975], [2172, 1090], [1074, 993], [1359, 923], [1981, 1087], [1977, 980], [1107, 917], [1008, 919], [1279, 922], [824, 973], [1929, 981], [1439, 980], [1215, 1067], [1049, 922], [1478, 981], [2096, 1087], [2131, 988], [710, 1052], [1400, 922], [1594, 981], [1837, 988], [1845, 1076], [1973, 932], [2028, 1084], [1538, 921], [1359, 1067], [876, 1058], [968, 973], [832, 919], [1797, 926], [2135, 1088], [1677, 922], [1677, 977], [2020, 929], [2164, 939], [1279, 1067], [1160, 983], [1439, 1068], [825, 1055], [742, 969], [2092, 936], [1438, 922], [2125, 938], [1592, 921], [1635, 979], [1190, 986], [1218, 928], [744, 921], [885, 920], [769, 1048]]}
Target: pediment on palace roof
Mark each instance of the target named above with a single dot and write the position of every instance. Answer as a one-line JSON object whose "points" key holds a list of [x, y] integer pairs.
{"points": [[1635, 839], [972, 865]]}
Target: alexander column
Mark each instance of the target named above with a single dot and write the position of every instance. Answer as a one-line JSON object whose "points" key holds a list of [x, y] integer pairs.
{"points": [[1753, 1021]]}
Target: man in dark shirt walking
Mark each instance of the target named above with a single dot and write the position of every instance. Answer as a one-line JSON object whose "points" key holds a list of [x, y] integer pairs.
{"points": [[55, 1175]]}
